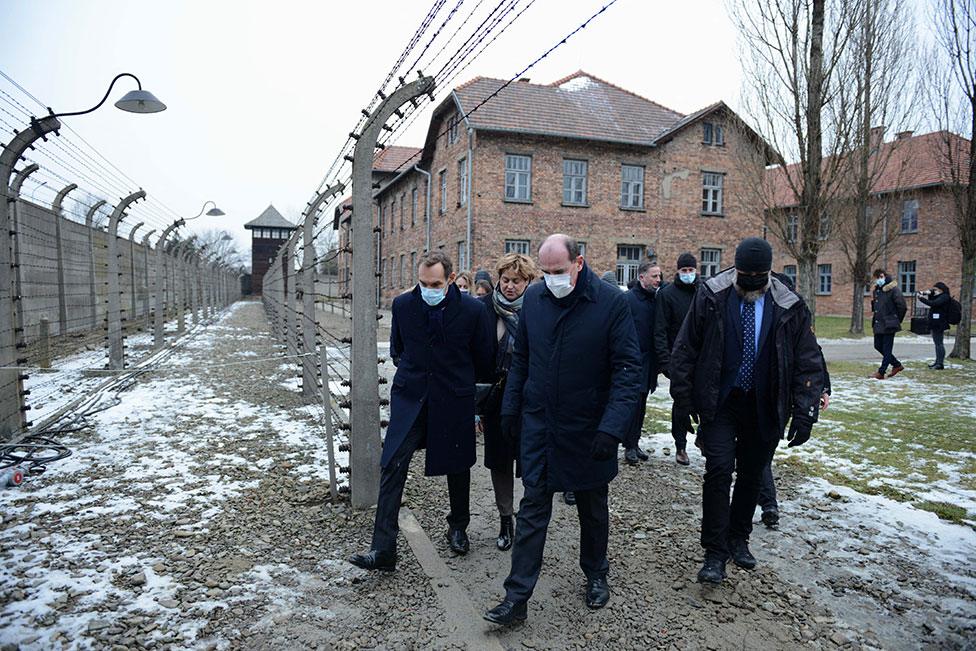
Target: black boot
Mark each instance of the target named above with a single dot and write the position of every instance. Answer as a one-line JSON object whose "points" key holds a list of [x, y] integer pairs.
{"points": [[375, 560], [458, 540], [641, 454], [506, 534], [507, 613], [770, 517], [741, 555], [569, 497], [712, 571], [597, 593], [631, 457]]}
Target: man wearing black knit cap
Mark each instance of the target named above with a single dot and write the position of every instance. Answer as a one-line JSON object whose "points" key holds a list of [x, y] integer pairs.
{"points": [[746, 361], [671, 306]]}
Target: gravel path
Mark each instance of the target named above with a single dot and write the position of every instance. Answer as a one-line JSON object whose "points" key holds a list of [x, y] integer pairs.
{"points": [[195, 513]]}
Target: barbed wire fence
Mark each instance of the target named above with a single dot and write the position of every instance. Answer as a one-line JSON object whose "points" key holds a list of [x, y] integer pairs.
{"points": [[342, 377]]}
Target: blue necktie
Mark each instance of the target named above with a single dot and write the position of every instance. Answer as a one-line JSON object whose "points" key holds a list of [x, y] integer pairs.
{"points": [[747, 369]]}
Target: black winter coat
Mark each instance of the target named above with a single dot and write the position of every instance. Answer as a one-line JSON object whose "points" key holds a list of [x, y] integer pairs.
{"points": [[642, 306], [438, 365], [938, 311], [696, 361], [889, 308], [670, 307], [575, 372], [499, 451]]}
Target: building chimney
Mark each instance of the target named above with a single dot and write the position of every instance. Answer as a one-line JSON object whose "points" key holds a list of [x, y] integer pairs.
{"points": [[877, 136], [903, 135], [524, 80]]}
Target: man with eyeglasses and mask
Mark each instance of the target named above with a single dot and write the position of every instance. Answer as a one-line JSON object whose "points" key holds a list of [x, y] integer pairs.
{"points": [[746, 361], [441, 342], [572, 388]]}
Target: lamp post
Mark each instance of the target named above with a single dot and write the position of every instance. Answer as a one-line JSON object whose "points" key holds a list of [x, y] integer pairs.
{"points": [[12, 409]]}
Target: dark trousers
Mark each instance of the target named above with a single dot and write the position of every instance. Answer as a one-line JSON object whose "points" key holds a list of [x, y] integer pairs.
{"points": [[633, 435], [532, 523], [937, 338], [394, 477], [679, 427], [884, 345], [767, 490], [732, 442]]}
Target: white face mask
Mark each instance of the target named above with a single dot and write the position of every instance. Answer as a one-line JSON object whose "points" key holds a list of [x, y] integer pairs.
{"points": [[559, 284]]}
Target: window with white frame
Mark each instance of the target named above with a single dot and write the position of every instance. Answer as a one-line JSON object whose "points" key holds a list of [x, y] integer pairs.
{"points": [[628, 260], [452, 129], [392, 219], [574, 182], [517, 246], [582, 248], [906, 277], [792, 227], [712, 193], [825, 279], [518, 177], [443, 177], [790, 272], [413, 206], [712, 134], [632, 186], [711, 262], [462, 190], [402, 277], [462, 261], [909, 216]]}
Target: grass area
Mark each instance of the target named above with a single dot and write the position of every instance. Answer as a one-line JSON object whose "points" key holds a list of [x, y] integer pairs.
{"points": [[910, 439], [836, 327]]}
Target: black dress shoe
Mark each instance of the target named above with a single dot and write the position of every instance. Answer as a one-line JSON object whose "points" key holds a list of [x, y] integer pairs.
{"points": [[506, 534], [458, 540], [507, 613], [641, 454], [681, 457], [741, 555], [631, 457], [569, 497], [375, 560], [770, 517], [712, 571], [597, 593]]}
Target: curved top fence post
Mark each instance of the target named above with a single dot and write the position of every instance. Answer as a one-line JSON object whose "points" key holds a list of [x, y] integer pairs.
{"points": [[116, 358]]}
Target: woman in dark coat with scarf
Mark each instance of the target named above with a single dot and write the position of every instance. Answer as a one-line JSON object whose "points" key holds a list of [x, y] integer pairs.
{"points": [[515, 273], [938, 299]]}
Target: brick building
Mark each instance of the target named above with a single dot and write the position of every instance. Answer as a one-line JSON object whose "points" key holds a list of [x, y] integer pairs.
{"points": [[268, 232], [628, 178], [920, 244]]}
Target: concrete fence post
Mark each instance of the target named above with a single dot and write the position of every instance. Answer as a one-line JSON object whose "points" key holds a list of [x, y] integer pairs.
{"points": [[116, 354], [329, 424], [59, 258], [131, 316], [44, 344], [92, 276], [160, 285], [292, 299], [12, 408], [145, 276], [364, 394], [15, 229]]}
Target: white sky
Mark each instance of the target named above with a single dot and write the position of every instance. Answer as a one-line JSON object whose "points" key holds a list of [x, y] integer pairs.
{"points": [[261, 95]]}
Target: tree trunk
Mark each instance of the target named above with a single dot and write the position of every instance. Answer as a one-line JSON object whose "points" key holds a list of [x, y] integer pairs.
{"points": [[964, 330], [857, 310], [811, 196], [967, 233], [806, 267]]}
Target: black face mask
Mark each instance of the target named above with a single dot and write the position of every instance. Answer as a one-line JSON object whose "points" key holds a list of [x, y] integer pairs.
{"points": [[752, 283]]}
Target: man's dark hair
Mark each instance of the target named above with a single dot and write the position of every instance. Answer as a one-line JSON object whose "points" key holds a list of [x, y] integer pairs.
{"points": [[878, 273], [644, 266], [431, 258]]}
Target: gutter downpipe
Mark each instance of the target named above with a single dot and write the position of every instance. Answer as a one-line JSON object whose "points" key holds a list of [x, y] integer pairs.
{"points": [[426, 207]]}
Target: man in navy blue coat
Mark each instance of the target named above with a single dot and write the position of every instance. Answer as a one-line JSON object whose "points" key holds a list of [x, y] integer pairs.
{"points": [[640, 297], [572, 390], [441, 343]]}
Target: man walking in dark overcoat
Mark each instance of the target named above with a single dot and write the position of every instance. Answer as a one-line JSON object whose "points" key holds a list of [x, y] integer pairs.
{"points": [[746, 361], [572, 389], [441, 343]]}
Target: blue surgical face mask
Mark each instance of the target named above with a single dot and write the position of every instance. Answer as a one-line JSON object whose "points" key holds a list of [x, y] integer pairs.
{"points": [[880, 282], [688, 278], [432, 296]]}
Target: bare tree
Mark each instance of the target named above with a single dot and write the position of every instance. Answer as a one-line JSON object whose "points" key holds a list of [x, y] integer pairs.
{"points": [[797, 96], [887, 96], [952, 95], [221, 243]]}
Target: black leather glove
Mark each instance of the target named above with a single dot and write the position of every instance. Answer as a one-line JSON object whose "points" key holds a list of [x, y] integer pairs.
{"points": [[799, 433], [604, 447], [510, 428]]}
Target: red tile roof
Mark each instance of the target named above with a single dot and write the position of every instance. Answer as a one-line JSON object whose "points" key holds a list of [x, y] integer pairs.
{"points": [[395, 157], [909, 163], [577, 106]]}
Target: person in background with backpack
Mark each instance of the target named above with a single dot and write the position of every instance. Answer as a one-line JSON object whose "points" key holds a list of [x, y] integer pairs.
{"points": [[889, 309], [941, 315]]}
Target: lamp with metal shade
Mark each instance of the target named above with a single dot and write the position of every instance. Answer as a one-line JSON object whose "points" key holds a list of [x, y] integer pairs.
{"points": [[135, 101]]}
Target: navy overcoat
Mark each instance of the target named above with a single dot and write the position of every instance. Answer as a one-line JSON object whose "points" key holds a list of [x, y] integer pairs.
{"points": [[439, 357], [575, 372], [641, 303]]}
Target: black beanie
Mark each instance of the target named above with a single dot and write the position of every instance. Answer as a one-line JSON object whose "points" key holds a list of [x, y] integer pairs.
{"points": [[687, 260], [754, 254]]}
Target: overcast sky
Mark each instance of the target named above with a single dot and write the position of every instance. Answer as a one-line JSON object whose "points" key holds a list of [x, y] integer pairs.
{"points": [[261, 95]]}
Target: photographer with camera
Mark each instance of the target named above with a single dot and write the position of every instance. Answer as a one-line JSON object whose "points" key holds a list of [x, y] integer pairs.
{"points": [[942, 314]]}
